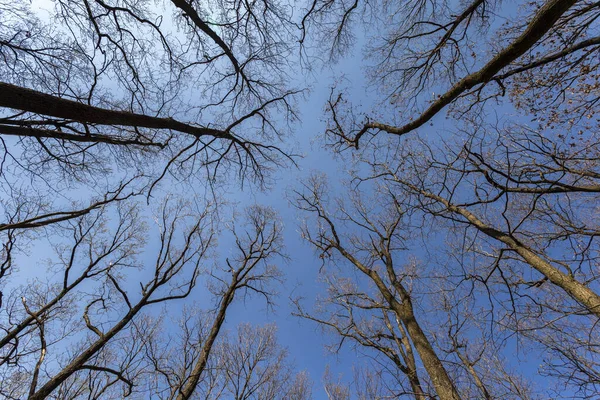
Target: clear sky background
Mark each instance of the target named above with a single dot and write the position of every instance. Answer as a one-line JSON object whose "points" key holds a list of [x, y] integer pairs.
{"points": [[304, 340]]}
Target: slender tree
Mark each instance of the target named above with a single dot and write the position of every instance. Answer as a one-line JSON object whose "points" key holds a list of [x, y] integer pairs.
{"points": [[508, 181], [402, 334], [519, 207]]}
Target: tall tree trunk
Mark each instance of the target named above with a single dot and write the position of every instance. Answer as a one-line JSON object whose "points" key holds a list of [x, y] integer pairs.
{"points": [[575, 289], [403, 309], [192, 381], [23, 99], [88, 353]]}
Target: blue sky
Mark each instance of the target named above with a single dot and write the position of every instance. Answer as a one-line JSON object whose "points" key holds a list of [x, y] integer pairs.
{"points": [[303, 339]]}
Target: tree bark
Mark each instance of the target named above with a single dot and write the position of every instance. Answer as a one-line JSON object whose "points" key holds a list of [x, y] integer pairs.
{"points": [[29, 100], [188, 389], [80, 360], [575, 289], [403, 309], [541, 23]]}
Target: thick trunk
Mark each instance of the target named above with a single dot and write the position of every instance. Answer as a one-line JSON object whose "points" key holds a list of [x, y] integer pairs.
{"points": [[23, 99], [576, 290], [403, 309], [80, 360], [442, 383], [541, 23], [406, 351], [413, 376]]}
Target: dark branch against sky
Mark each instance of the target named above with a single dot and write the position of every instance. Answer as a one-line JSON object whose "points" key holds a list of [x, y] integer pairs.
{"points": [[400, 199]]}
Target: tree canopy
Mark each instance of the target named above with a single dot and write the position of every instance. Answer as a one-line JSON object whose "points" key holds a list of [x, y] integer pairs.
{"points": [[447, 191]]}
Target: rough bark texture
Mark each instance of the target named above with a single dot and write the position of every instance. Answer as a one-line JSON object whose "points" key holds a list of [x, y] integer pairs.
{"points": [[444, 386], [440, 379]]}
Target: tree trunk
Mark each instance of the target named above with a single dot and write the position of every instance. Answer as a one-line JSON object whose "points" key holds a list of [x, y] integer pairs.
{"points": [[444, 386], [19, 98], [80, 360], [188, 389]]}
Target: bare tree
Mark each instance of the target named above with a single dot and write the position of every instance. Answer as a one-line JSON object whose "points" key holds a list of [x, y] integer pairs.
{"points": [[112, 98], [92, 304], [520, 208], [248, 271], [431, 56], [117, 348], [334, 389], [249, 364], [92, 255], [255, 367], [510, 183], [117, 99], [385, 319], [132, 91]]}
